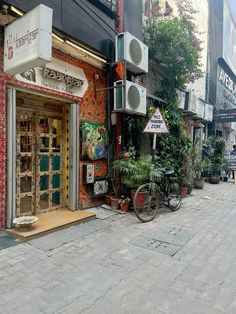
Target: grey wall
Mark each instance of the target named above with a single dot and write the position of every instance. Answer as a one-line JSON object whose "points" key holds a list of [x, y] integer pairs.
{"points": [[88, 21], [133, 17], [215, 44]]}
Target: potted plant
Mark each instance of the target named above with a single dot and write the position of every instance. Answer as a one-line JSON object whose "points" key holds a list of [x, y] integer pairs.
{"points": [[225, 173], [198, 168], [186, 187], [124, 204], [213, 151], [134, 172], [215, 170], [198, 165]]}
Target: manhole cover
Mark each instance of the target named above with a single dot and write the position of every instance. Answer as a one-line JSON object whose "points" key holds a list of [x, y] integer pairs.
{"points": [[156, 245], [174, 235], [167, 240]]}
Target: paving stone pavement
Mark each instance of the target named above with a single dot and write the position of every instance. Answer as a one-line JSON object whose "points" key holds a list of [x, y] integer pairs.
{"points": [[97, 268]]}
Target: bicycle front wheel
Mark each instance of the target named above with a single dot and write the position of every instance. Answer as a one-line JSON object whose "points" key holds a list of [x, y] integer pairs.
{"points": [[146, 202], [174, 198]]}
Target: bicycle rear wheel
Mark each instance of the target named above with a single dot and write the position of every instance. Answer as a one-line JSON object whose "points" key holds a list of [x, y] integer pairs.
{"points": [[174, 199], [146, 202]]}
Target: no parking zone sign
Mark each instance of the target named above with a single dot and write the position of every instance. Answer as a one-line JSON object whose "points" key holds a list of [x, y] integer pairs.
{"points": [[156, 125]]}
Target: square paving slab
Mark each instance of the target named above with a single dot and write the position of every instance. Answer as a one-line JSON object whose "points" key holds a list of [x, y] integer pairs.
{"points": [[167, 240]]}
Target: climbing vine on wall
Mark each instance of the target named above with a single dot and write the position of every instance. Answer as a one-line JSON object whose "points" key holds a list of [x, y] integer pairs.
{"points": [[175, 49]]}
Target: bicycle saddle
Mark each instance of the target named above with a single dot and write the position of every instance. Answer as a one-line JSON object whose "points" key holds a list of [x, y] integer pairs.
{"points": [[169, 173]]}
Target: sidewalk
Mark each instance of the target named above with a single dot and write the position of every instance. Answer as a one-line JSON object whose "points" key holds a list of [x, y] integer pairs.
{"points": [[183, 262]]}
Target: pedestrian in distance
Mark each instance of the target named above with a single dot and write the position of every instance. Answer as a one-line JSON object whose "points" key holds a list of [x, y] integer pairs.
{"points": [[233, 153]]}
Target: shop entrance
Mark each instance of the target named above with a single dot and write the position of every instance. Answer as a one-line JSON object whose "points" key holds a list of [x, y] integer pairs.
{"points": [[39, 161]]}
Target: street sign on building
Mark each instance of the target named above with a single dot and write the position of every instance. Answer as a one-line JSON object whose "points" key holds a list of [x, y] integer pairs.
{"points": [[156, 125], [230, 162], [228, 115], [28, 41]]}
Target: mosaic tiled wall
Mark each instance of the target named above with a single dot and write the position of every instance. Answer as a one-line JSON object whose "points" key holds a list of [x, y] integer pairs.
{"points": [[2, 152], [92, 109]]}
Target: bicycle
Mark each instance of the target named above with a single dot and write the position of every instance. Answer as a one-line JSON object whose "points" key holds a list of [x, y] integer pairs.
{"points": [[151, 196]]}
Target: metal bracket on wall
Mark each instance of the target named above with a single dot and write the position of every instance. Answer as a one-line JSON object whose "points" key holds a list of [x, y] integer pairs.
{"points": [[112, 87]]}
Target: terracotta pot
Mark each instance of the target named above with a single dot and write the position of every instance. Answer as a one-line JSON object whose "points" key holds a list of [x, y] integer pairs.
{"points": [[124, 206], [140, 199], [115, 202], [108, 199], [199, 183], [184, 191]]}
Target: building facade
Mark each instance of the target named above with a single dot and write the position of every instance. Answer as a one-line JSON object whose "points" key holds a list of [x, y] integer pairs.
{"points": [[55, 119], [222, 69], [193, 101]]}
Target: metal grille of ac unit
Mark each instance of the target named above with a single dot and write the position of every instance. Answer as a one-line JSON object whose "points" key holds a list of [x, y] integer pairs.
{"points": [[133, 97], [135, 51]]}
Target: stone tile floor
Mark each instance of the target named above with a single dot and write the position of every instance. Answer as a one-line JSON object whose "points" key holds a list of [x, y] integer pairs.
{"points": [[98, 267], [7, 241]]}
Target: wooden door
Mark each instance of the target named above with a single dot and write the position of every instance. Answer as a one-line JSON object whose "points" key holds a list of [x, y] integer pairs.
{"points": [[39, 162]]}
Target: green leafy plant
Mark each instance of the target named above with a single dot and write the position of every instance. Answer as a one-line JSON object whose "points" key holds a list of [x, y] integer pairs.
{"points": [[213, 152], [174, 46], [176, 52], [134, 172], [196, 163], [199, 167]]}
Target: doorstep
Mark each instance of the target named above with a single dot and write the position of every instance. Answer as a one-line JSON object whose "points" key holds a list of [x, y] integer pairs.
{"points": [[52, 221]]}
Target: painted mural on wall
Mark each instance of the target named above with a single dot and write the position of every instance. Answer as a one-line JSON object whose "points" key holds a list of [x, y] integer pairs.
{"points": [[94, 141]]}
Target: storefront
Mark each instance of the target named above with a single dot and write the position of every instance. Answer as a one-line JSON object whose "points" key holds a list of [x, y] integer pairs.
{"points": [[224, 123], [43, 112]]}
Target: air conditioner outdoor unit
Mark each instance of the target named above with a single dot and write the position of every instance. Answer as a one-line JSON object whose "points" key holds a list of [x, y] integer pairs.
{"points": [[208, 114], [192, 103], [181, 96], [132, 50], [134, 100], [200, 106]]}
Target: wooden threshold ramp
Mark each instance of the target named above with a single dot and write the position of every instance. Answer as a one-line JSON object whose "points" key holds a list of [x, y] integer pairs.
{"points": [[52, 221]]}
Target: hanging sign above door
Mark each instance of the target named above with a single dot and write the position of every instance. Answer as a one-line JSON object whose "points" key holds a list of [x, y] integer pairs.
{"points": [[28, 41], [156, 125], [57, 75]]}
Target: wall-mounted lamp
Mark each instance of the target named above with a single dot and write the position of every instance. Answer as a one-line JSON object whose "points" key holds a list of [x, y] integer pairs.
{"points": [[15, 10], [58, 38], [86, 51]]}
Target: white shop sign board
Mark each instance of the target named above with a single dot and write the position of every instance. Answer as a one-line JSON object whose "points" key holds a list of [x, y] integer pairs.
{"points": [[28, 41], [57, 75], [156, 125]]}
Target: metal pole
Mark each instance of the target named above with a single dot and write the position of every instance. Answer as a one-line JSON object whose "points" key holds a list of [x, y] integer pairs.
{"points": [[120, 8], [154, 145]]}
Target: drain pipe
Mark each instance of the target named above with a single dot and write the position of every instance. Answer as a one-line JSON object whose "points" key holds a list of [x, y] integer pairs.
{"points": [[118, 129]]}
